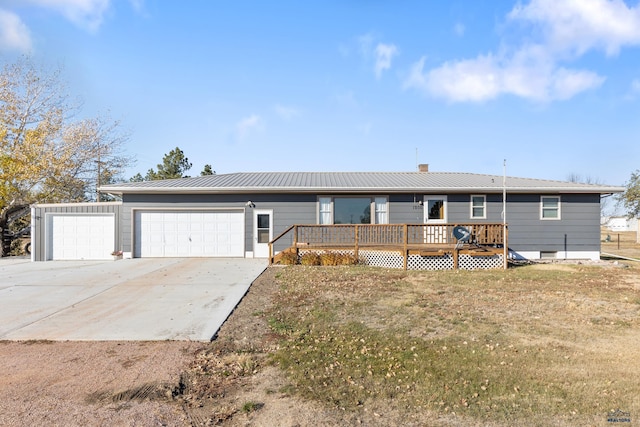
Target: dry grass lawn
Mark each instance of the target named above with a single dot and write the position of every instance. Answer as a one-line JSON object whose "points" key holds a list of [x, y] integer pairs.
{"points": [[538, 345], [623, 243]]}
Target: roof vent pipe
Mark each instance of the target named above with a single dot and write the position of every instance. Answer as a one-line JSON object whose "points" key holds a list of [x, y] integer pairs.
{"points": [[423, 167]]}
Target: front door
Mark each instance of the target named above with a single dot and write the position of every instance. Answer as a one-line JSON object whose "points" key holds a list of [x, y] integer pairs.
{"points": [[435, 213], [262, 232]]}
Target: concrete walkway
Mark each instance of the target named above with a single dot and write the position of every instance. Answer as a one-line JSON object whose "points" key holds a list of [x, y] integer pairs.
{"points": [[134, 299]]}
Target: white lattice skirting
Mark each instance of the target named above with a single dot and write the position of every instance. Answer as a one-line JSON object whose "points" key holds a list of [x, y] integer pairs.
{"points": [[468, 262], [394, 259]]}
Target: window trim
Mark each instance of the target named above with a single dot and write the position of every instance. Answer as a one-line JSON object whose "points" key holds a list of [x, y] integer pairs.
{"points": [[331, 210], [472, 206], [374, 217], [542, 208], [320, 212], [426, 209]]}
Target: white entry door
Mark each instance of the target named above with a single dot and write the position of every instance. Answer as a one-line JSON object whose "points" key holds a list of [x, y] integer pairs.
{"points": [[262, 232], [80, 236], [189, 234], [435, 212]]}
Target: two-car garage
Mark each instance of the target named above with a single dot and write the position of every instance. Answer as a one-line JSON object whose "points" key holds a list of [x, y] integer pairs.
{"points": [[94, 231], [191, 233]]}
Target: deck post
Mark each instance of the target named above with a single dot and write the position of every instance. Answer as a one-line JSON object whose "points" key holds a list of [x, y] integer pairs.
{"points": [[356, 248], [405, 250], [455, 254]]}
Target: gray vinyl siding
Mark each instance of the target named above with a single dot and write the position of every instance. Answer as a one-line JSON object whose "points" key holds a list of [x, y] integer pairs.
{"points": [[39, 229], [288, 209], [407, 208], [577, 230]]}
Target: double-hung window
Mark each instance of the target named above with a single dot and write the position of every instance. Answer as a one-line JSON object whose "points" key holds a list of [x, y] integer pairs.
{"points": [[382, 216], [478, 207], [325, 210], [549, 207]]}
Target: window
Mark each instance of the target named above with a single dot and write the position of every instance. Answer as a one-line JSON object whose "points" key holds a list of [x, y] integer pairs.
{"points": [[352, 210], [381, 210], [435, 209], [550, 207], [325, 210], [263, 228], [478, 207]]}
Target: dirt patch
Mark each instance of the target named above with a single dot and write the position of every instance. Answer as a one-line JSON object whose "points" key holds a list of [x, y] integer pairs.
{"points": [[92, 383]]}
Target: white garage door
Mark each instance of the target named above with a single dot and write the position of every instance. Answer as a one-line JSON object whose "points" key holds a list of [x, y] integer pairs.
{"points": [[189, 234], [80, 236]]}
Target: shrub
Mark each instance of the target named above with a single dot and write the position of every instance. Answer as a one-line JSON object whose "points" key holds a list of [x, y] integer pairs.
{"points": [[310, 258], [349, 259], [289, 258], [330, 258], [337, 258]]}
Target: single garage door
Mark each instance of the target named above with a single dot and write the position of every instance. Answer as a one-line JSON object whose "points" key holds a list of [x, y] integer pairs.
{"points": [[80, 236], [189, 234]]}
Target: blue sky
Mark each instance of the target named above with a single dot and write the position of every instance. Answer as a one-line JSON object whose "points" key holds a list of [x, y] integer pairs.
{"points": [[552, 86]]}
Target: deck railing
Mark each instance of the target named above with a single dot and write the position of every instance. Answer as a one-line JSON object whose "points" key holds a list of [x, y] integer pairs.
{"points": [[404, 237]]}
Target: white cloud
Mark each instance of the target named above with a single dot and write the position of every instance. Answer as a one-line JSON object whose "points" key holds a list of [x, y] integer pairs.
{"points": [[468, 80], [247, 125], [487, 77], [286, 113], [381, 54], [384, 54], [14, 34], [577, 26], [635, 87], [365, 43], [86, 14], [565, 84], [536, 69]]}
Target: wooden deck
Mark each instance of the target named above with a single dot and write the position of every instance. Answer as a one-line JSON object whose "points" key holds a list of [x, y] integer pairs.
{"points": [[425, 240]]}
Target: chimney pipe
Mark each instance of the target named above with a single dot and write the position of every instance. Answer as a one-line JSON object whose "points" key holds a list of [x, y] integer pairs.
{"points": [[423, 167]]}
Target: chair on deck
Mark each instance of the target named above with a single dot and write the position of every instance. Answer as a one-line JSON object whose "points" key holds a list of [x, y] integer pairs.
{"points": [[462, 236]]}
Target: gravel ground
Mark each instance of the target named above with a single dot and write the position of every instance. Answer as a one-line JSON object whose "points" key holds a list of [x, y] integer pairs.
{"points": [[92, 383]]}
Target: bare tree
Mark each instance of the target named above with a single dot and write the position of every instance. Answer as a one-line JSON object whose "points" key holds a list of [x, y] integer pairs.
{"points": [[46, 155], [606, 203]]}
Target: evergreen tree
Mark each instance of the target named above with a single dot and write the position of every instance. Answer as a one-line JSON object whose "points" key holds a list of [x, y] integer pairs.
{"points": [[174, 165], [207, 171]]}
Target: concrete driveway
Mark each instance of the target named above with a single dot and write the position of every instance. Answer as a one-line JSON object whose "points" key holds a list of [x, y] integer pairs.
{"points": [[133, 299]]}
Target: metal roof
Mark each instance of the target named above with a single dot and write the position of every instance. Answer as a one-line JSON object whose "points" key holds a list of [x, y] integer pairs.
{"points": [[354, 182]]}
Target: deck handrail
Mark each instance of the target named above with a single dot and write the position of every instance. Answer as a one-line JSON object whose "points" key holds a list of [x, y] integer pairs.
{"points": [[401, 236]]}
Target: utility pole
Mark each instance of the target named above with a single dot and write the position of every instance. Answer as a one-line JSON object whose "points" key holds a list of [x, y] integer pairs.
{"points": [[99, 163], [504, 214]]}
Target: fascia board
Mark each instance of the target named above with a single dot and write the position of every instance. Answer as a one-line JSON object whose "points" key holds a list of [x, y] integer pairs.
{"points": [[394, 190]]}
